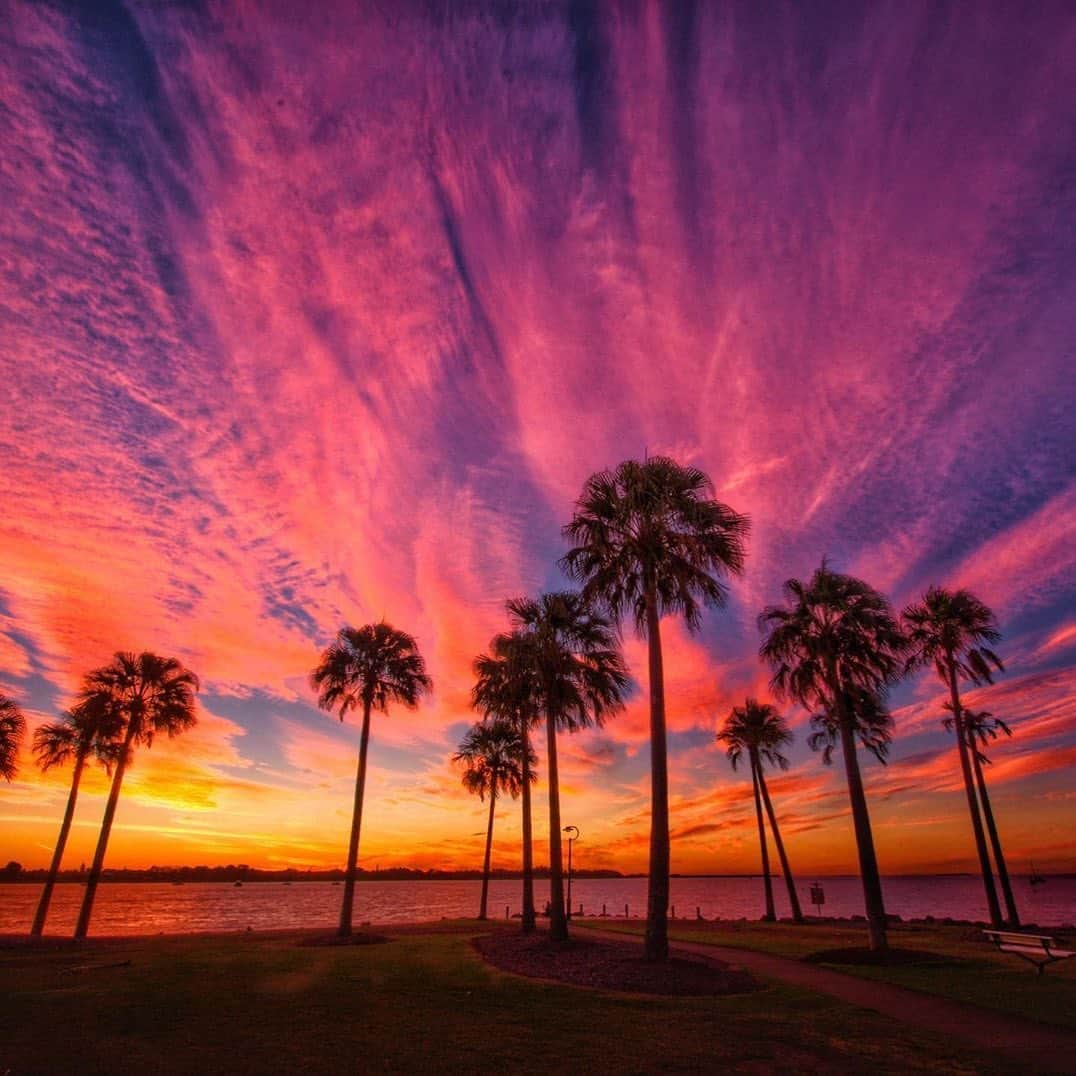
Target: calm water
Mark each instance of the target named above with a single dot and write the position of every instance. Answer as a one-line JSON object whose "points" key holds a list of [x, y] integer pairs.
{"points": [[151, 908]]}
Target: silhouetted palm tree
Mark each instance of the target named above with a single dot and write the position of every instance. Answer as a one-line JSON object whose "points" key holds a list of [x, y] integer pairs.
{"points": [[982, 729], [151, 695], [92, 728], [648, 541], [836, 646], [492, 753], [367, 668], [579, 679], [505, 689], [953, 631], [760, 731], [12, 730]]}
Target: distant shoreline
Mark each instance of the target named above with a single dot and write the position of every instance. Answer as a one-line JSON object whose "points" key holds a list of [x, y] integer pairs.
{"points": [[231, 875]]}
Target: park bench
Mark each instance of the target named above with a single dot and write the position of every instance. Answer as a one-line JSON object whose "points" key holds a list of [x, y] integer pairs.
{"points": [[1037, 949]]}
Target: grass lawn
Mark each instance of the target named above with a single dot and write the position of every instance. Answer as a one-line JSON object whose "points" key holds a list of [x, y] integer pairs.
{"points": [[421, 1001], [968, 970]]}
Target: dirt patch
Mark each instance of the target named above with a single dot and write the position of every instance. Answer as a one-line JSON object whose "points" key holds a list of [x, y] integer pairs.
{"points": [[891, 958], [609, 966]]}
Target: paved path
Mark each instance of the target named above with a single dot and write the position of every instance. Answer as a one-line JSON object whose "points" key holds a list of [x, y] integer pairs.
{"points": [[1046, 1048]]}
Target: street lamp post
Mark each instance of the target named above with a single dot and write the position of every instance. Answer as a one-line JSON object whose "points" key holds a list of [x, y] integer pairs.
{"points": [[573, 835]]}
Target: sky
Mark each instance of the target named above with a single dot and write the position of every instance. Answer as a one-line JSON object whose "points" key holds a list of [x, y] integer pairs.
{"points": [[317, 315]]}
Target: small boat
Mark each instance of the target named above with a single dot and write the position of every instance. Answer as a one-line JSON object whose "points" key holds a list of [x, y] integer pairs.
{"points": [[237, 885], [1035, 878]]}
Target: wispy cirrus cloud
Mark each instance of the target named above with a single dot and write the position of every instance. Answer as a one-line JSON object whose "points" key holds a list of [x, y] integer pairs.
{"points": [[294, 337]]}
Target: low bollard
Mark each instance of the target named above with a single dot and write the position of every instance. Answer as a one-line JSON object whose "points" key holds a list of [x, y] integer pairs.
{"points": [[625, 911], [605, 914], [507, 910]]}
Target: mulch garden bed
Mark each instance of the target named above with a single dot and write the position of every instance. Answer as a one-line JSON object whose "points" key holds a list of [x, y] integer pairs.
{"points": [[609, 966]]}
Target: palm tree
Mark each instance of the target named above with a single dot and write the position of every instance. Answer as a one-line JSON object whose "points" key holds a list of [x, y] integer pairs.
{"points": [[90, 728], [836, 646], [150, 695], [367, 668], [760, 731], [493, 755], [12, 730], [982, 729], [953, 631], [649, 540], [505, 689], [579, 679]]}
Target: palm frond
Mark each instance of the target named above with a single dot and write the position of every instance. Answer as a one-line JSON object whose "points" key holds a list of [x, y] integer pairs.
{"points": [[654, 523]]}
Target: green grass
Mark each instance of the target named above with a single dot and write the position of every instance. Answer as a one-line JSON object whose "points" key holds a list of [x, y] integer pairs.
{"points": [[421, 1002], [969, 970]]}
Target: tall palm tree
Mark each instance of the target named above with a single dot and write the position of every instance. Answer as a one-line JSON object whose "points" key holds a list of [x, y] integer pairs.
{"points": [[505, 689], [649, 540], [12, 730], [492, 753], [836, 646], [953, 631], [758, 730], [367, 668], [982, 729], [91, 728], [151, 695], [579, 679]]}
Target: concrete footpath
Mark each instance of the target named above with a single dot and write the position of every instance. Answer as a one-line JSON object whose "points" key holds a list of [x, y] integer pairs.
{"points": [[1046, 1048]]}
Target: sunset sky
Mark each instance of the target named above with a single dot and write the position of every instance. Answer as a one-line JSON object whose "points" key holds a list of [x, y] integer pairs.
{"points": [[314, 314]]}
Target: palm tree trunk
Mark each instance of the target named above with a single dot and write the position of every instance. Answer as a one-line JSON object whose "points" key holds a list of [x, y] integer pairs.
{"points": [[489, 849], [657, 898], [861, 819], [83, 924], [995, 839], [527, 917], [973, 806], [558, 923], [344, 930], [793, 899], [58, 855], [767, 883]]}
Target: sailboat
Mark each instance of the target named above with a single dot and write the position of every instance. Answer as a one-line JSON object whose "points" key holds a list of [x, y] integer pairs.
{"points": [[1035, 878]]}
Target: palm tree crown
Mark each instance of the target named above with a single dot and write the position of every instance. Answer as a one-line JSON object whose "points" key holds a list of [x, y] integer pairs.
{"points": [[93, 726], [757, 728], [373, 666], [148, 693], [870, 720], [492, 754], [654, 524], [576, 671], [980, 727], [505, 683], [12, 730], [953, 626], [835, 633]]}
